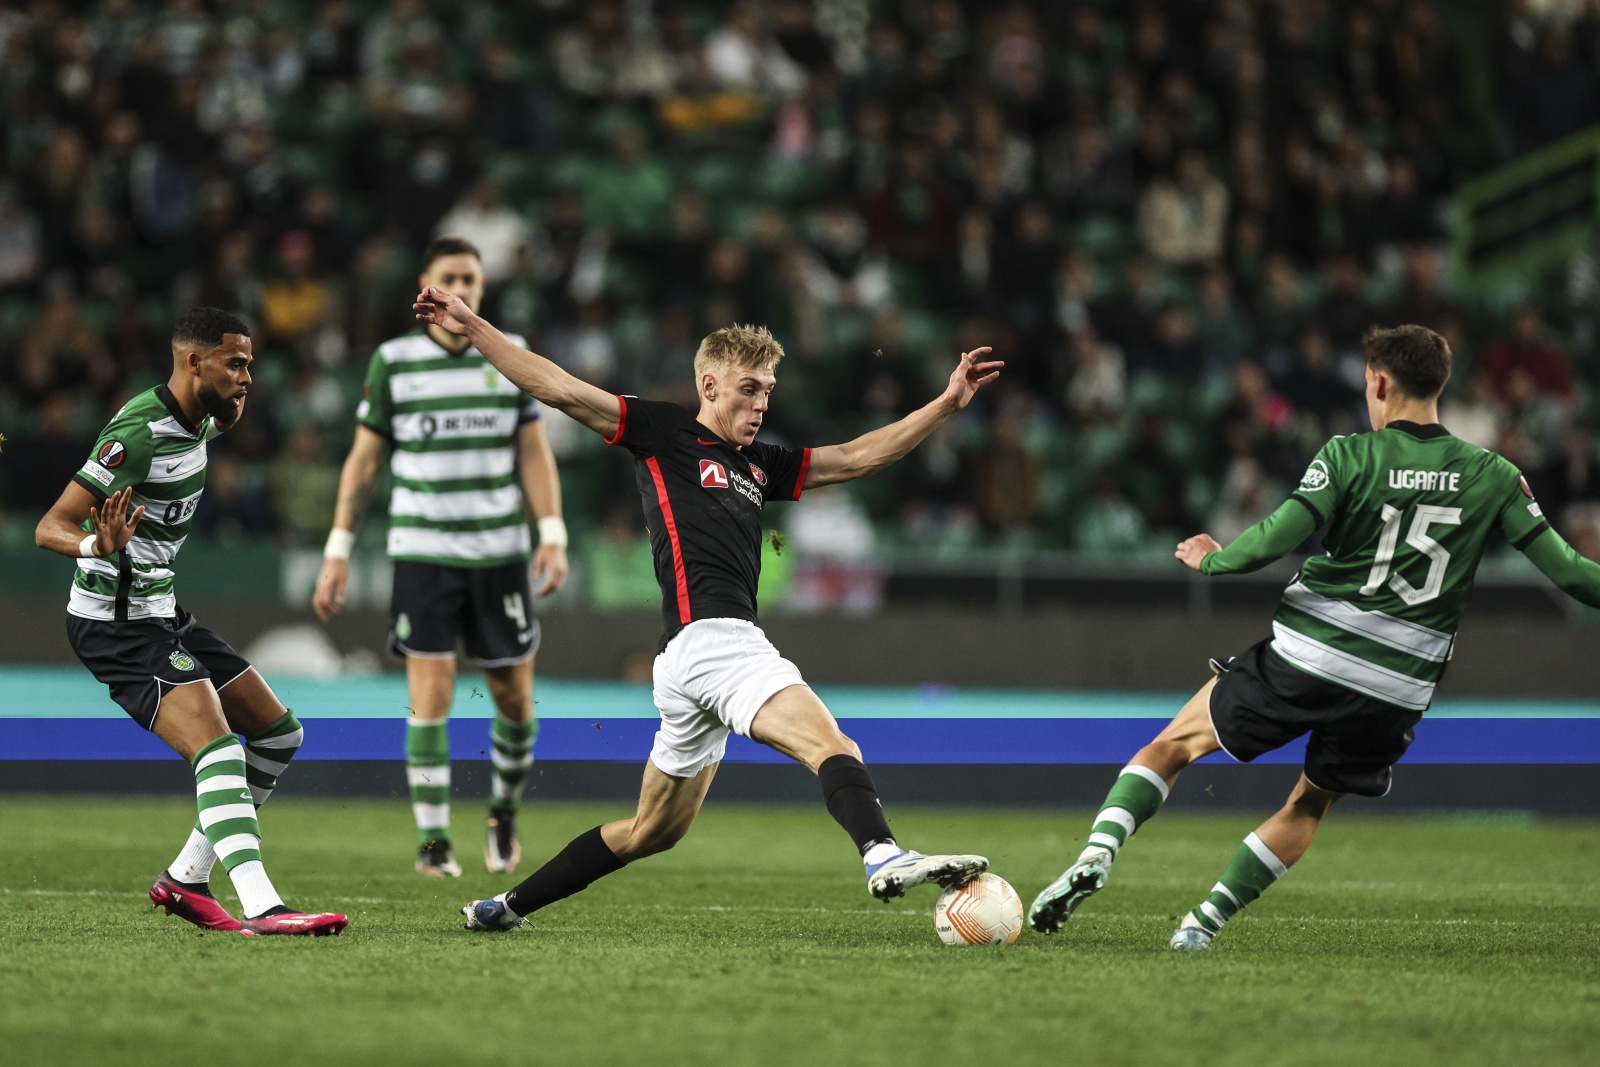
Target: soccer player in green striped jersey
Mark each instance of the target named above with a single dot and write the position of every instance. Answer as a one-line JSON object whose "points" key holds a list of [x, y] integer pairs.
{"points": [[1361, 638], [467, 456], [124, 517]]}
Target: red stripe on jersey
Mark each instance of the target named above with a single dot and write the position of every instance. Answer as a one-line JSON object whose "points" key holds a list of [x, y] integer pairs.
{"points": [[622, 421], [805, 468], [678, 572]]}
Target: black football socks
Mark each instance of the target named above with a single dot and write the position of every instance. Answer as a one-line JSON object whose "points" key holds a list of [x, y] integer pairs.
{"points": [[853, 801], [587, 858]]}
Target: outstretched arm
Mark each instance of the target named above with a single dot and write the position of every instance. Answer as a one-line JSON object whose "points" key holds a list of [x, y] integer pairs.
{"points": [[1574, 575], [1269, 540], [871, 452], [533, 374]]}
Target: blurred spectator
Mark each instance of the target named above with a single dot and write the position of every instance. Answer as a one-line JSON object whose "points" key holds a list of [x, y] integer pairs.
{"points": [[1475, 415], [1221, 327], [1006, 478], [618, 570], [1110, 524], [1183, 221], [1344, 311], [1097, 378], [833, 541], [631, 194], [600, 59], [294, 301], [1157, 479], [1321, 389], [301, 486], [842, 268], [741, 56], [20, 245], [1244, 500], [41, 460], [1527, 352], [1551, 98], [495, 229]]}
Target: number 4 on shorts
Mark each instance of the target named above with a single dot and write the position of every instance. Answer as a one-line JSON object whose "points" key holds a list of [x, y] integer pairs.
{"points": [[515, 609]]}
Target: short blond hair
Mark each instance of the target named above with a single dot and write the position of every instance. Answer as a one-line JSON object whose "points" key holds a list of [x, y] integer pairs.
{"points": [[746, 347]]}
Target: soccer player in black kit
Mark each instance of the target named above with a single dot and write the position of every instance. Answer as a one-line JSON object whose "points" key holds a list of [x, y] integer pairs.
{"points": [[704, 480]]}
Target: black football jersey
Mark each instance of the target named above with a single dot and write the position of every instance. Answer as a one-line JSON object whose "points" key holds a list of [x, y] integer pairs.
{"points": [[702, 507]]}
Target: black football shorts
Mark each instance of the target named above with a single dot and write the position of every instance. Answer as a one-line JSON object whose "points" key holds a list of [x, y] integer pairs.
{"points": [[141, 660], [1261, 703], [488, 610]]}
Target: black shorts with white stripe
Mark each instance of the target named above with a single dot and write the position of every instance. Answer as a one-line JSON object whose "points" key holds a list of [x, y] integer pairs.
{"points": [[1261, 703], [142, 660]]}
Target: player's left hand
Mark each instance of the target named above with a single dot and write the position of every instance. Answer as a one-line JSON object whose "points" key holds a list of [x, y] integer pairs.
{"points": [[970, 376], [1192, 551], [549, 570]]}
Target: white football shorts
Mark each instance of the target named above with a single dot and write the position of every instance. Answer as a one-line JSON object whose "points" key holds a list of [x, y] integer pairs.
{"points": [[713, 677]]}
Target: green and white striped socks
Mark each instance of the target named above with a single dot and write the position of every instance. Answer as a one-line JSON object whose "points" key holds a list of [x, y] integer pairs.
{"points": [[267, 754], [511, 749], [1252, 870], [428, 771], [228, 818], [1135, 797]]}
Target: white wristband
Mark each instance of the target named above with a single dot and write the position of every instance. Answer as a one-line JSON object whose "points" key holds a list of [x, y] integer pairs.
{"points": [[340, 542], [86, 547], [553, 531]]}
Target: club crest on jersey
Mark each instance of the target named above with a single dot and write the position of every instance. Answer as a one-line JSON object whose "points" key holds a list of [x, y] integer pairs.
{"points": [[1316, 478], [760, 475], [713, 475], [182, 660], [111, 455]]}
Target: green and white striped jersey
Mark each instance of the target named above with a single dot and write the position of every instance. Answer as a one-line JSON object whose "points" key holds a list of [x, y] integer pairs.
{"points": [[1411, 509], [151, 445], [451, 421]]}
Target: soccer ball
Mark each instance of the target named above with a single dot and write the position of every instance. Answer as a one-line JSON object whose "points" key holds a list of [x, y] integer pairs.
{"points": [[986, 911]]}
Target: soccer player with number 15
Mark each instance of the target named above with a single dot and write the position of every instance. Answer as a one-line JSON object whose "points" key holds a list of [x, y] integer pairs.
{"points": [[1361, 638]]}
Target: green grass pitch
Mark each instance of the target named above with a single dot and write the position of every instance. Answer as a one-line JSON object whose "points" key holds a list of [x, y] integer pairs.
{"points": [[1396, 941]]}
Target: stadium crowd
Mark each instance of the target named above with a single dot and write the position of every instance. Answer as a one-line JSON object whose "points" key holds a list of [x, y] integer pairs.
{"points": [[1173, 220]]}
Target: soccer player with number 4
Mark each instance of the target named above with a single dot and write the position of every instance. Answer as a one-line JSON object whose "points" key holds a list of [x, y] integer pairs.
{"points": [[469, 460], [1361, 638], [125, 516]]}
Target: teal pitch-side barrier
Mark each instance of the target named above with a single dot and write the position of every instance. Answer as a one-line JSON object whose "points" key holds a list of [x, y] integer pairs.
{"points": [[63, 714]]}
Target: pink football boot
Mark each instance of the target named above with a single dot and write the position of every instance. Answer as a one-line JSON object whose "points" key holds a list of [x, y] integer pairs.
{"points": [[187, 902], [295, 922]]}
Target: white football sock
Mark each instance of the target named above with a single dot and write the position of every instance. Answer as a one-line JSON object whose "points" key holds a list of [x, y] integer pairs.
{"points": [[256, 894], [194, 863]]}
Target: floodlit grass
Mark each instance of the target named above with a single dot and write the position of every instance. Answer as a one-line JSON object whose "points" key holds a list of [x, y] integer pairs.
{"points": [[1396, 941]]}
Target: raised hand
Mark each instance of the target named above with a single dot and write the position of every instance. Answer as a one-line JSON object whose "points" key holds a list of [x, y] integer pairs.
{"points": [[1192, 551], [970, 376], [443, 309], [113, 525]]}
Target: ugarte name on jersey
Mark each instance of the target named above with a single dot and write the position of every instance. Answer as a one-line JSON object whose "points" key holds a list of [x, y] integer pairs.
{"points": [[151, 446], [452, 421], [1409, 511]]}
